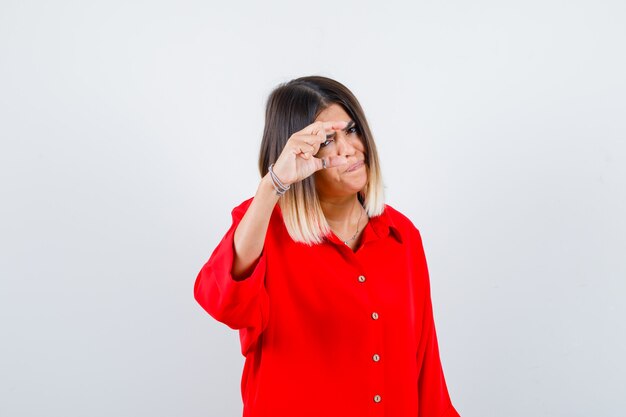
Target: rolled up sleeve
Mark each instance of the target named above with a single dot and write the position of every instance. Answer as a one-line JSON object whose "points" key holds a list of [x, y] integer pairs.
{"points": [[240, 304]]}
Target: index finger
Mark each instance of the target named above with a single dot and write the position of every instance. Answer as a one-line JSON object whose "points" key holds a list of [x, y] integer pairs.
{"points": [[318, 127]]}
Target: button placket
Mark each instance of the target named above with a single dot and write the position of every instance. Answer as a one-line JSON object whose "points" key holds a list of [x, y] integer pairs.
{"points": [[377, 382], [377, 398]]}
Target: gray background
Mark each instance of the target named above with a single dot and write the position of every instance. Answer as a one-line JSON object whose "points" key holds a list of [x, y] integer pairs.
{"points": [[130, 129]]}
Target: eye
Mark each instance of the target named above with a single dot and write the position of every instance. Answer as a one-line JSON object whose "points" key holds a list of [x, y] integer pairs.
{"points": [[324, 144], [350, 131]]}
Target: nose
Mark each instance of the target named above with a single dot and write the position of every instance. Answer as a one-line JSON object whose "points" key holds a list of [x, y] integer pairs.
{"points": [[345, 147]]}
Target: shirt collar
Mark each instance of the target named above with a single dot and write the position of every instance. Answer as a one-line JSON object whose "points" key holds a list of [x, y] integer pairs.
{"points": [[378, 227], [384, 225]]}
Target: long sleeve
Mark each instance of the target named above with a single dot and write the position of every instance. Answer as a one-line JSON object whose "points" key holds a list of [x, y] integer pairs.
{"points": [[433, 397], [241, 304]]}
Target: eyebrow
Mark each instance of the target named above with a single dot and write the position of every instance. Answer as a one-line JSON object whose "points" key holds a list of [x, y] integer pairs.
{"points": [[348, 127]]}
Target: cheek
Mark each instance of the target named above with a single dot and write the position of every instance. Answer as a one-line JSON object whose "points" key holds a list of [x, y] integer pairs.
{"points": [[323, 175], [333, 174], [326, 176]]}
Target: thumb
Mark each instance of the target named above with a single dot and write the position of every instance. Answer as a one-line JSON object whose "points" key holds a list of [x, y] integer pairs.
{"points": [[331, 161]]}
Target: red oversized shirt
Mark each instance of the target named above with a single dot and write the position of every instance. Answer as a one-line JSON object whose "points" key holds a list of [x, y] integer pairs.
{"points": [[331, 332]]}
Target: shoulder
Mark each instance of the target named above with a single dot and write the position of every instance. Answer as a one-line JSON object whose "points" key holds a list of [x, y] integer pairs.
{"points": [[400, 221], [398, 218], [240, 209], [242, 206]]}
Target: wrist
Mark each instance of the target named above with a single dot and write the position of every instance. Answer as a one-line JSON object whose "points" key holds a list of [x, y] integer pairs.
{"points": [[267, 185], [280, 187]]}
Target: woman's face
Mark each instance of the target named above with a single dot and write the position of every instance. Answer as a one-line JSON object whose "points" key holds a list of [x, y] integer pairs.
{"points": [[340, 181]]}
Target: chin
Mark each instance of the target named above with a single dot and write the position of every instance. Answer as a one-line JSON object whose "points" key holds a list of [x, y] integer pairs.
{"points": [[351, 189]]}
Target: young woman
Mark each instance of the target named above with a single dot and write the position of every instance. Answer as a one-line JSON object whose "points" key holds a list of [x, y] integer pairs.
{"points": [[329, 288]]}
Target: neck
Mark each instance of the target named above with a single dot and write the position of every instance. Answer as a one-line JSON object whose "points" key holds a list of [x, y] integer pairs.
{"points": [[342, 213]]}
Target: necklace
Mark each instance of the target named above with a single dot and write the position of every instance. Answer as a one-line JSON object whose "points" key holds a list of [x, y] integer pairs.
{"points": [[357, 230]]}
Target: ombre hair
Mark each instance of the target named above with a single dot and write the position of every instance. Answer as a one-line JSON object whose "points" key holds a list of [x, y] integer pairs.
{"points": [[290, 108]]}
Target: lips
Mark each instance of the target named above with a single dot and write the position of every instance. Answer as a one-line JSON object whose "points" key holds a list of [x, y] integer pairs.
{"points": [[355, 166]]}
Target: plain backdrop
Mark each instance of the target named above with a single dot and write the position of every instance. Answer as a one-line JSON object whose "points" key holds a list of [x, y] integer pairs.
{"points": [[130, 129]]}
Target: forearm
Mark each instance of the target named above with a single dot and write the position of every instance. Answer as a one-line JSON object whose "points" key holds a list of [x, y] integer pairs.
{"points": [[250, 233]]}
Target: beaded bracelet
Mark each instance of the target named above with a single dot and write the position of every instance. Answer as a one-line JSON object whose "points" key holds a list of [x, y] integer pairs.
{"points": [[278, 185]]}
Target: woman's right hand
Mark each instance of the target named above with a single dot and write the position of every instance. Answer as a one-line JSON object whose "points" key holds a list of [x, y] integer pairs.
{"points": [[296, 162]]}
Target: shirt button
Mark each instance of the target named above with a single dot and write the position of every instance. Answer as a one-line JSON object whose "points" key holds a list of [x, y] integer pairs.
{"points": [[361, 278], [377, 398], [376, 357], [375, 315]]}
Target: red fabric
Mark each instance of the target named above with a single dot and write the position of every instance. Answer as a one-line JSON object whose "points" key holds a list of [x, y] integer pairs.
{"points": [[306, 323]]}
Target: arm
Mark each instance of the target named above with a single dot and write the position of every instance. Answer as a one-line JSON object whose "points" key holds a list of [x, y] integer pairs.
{"points": [[250, 233], [230, 285]]}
